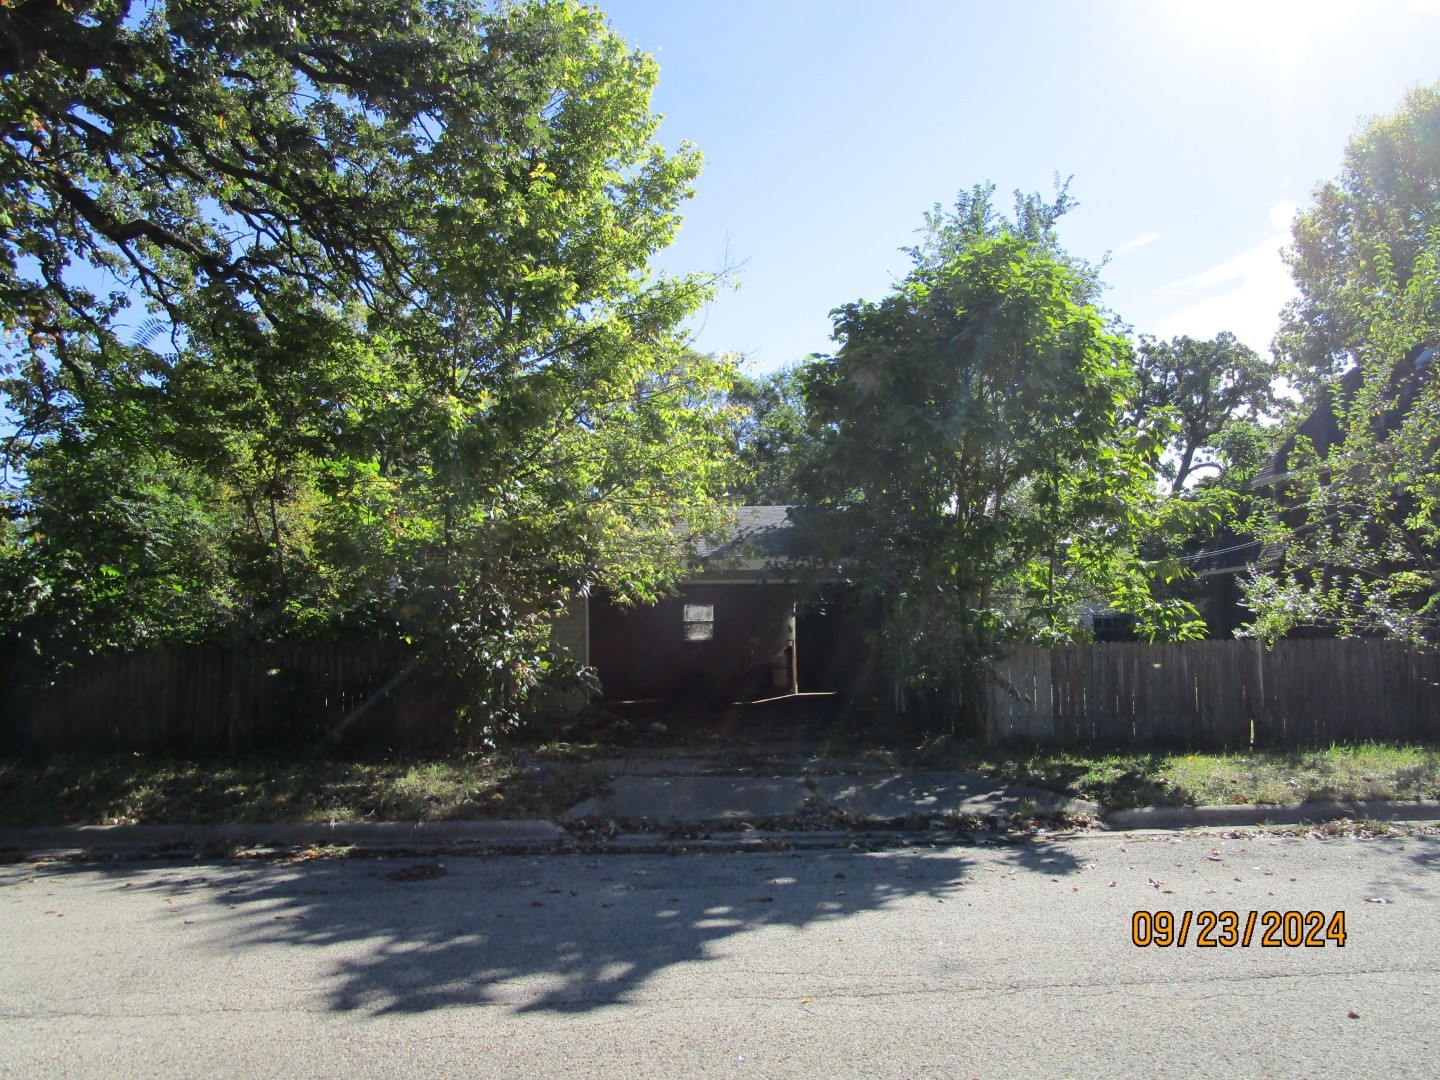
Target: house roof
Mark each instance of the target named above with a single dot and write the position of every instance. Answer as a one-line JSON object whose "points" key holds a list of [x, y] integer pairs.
{"points": [[1322, 427], [757, 532], [1231, 551], [1228, 552]]}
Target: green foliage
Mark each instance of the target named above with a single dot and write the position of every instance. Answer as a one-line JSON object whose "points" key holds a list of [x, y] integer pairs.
{"points": [[1359, 527], [116, 548], [1215, 394], [405, 369], [972, 465], [1358, 522], [1364, 238], [974, 217], [771, 439], [1204, 385]]}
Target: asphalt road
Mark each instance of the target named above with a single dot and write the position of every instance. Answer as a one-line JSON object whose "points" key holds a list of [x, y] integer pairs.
{"points": [[961, 962]]}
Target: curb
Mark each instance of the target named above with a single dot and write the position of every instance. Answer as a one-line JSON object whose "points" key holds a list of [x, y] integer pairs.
{"points": [[505, 837], [1188, 817], [541, 835], [793, 840], [129, 839]]}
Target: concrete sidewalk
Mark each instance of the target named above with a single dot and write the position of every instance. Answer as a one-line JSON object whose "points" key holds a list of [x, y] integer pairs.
{"points": [[871, 799]]}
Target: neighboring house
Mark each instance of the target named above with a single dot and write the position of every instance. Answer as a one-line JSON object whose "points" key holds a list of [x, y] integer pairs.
{"points": [[752, 620], [1232, 553], [1105, 623]]}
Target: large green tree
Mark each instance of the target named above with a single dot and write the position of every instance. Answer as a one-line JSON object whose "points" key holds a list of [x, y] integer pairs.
{"points": [[771, 439], [1205, 386], [973, 467], [370, 282], [1357, 525], [1366, 234]]}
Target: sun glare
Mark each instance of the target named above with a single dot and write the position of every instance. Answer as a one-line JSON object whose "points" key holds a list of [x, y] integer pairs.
{"points": [[1281, 32]]}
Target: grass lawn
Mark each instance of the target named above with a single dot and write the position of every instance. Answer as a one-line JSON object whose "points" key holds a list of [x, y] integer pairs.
{"points": [[1119, 780], [121, 789], [136, 788]]}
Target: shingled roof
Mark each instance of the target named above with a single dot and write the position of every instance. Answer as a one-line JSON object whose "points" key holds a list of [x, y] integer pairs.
{"points": [[758, 532], [1322, 427]]}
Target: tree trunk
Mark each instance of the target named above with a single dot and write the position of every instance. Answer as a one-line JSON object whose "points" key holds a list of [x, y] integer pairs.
{"points": [[974, 678]]}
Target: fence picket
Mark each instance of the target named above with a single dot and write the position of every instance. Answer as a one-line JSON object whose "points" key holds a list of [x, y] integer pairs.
{"points": [[1215, 694], [203, 697], [1303, 693]]}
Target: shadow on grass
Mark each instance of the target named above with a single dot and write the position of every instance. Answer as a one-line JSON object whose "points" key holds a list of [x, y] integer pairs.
{"points": [[149, 788], [1122, 778], [550, 934], [1114, 779]]}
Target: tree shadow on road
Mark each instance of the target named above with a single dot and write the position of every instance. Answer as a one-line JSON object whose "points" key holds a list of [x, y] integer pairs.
{"points": [[555, 933]]}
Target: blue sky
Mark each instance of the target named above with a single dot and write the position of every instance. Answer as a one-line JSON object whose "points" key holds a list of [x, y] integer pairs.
{"points": [[1192, 132]]}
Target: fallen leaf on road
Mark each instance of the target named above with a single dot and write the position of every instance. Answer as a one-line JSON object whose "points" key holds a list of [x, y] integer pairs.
{"points": [[418, 872], [1113, 884], [1353, 1015], [1214, 858], [762, 899], [1377, 900], [807, 1001], [1152, 883], [536, 903]]}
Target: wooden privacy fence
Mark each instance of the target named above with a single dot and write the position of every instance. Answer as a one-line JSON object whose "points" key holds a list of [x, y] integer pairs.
{"points": [[1218, 695], [219, 697]]}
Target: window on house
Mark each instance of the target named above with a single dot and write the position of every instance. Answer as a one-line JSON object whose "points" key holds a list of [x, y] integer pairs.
{"points": [[699, 622], [1113, 626]]}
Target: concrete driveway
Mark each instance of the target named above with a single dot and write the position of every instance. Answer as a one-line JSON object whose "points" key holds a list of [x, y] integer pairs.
{"points": [[662, 795]]}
